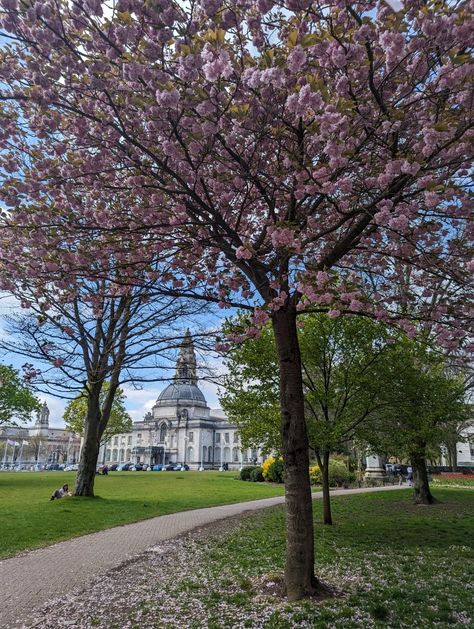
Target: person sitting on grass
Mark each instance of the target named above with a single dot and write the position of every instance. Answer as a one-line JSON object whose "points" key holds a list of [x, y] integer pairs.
{"points": [[61, 492]]}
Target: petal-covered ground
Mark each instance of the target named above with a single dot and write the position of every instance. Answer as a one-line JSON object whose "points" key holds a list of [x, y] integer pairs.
{"points": [[388, 562]]}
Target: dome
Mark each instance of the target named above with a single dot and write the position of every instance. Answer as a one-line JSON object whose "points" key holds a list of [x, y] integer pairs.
{"points": [[181, 391]]}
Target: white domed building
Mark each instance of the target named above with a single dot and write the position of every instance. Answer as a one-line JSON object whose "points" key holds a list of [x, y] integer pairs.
{"points": [[181, 428]]}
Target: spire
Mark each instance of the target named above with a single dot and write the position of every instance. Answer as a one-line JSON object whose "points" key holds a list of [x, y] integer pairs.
{"points": [[186, 363]]}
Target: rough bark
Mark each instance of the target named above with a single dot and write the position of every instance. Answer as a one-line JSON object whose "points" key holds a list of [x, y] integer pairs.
{"points": [[453, 456], [421, 486], [90, 447], [300, 580]]}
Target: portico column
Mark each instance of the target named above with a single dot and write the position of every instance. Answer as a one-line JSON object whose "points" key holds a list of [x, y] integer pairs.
{"points": [[375, 468]]}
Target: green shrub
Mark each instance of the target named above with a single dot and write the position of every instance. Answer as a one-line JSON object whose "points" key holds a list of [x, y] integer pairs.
{"points": [[256, 475], [338, 474], [245, 472], [275, 472]]}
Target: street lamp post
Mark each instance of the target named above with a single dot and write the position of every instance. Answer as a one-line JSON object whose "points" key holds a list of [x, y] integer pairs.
{"points": [[201, 469]]}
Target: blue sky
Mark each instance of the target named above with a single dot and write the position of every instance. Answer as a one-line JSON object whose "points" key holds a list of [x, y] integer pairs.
{"points": [[138, 402]]}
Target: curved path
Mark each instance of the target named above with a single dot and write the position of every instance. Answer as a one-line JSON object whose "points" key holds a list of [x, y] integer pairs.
{"points": [[30, 579]]}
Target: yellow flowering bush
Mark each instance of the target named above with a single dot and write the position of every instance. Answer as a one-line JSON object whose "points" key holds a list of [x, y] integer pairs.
{"points": [[266, 466], [315, 475]]}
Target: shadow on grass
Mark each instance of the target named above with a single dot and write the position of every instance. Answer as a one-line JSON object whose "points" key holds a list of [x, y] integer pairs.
{"points": [[377, 520]]}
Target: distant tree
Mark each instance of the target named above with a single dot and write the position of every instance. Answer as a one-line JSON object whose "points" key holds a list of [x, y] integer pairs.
{"points": [[340, 360], [101, 332], [119, 420], [17, 402], [422, 401]]}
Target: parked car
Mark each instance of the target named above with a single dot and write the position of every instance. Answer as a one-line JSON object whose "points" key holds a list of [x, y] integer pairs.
{"points": [[138, 467], [113, 467], [157, 468], [170, 467], [181, 467], [124, 467], [145, 467], [71, 468]]}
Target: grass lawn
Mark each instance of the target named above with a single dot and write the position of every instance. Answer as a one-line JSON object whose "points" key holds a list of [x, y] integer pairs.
{"points": [[395, 564], [28, 519]]}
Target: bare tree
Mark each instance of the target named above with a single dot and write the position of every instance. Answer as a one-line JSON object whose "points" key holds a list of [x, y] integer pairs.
{"points": [[105, 333]]}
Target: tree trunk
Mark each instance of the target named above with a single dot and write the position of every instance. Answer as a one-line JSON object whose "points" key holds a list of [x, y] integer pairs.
{"points": [[453, 456], [299, 569], [421, 486], [90, 448], [327, 518]]}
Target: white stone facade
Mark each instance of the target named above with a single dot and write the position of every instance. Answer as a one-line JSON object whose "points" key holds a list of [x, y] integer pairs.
{"points": [[38, 444], [181, 428]]}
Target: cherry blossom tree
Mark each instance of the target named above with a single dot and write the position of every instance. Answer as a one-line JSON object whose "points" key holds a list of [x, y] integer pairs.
{"points": [[286, 156]]}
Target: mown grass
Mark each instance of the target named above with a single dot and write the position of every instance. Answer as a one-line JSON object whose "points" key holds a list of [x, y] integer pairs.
{"points": [[394, 564], [28, 519]]}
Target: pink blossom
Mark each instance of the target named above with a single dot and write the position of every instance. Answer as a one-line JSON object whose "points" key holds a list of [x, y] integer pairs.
{"points": [[260, 317], [167, 98], [296, 58]]}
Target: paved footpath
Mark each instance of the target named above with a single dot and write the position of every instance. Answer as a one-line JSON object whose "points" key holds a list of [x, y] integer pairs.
{"points": [[29, 580]]}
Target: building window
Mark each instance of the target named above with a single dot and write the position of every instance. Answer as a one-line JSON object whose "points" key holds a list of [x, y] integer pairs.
{"points": [[139, 436], [115, 441], [107, 456], [114, 455], [129, 440], [471, 446], [127, 456], [236, 437], [235, 455], [191, 437], [122, 455], [226, 437], [163, 431], [218, 437]]}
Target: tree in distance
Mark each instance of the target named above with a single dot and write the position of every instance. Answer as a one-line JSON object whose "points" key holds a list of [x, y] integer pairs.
{"points": [[89, 341], [421, 402], [17, 402], [119, 420], [340, 359]]}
